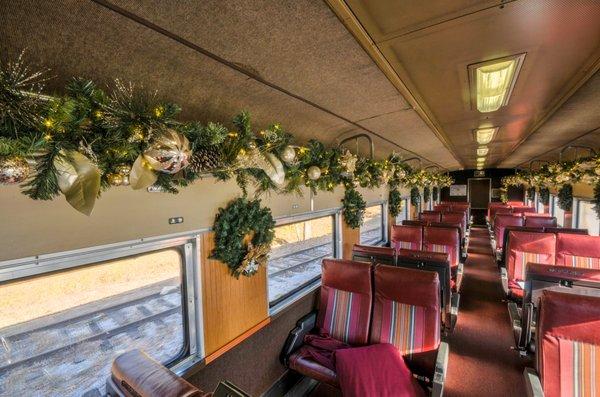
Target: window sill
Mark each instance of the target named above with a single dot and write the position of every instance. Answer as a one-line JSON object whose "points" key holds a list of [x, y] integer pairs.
{"points": [[293, 298]]}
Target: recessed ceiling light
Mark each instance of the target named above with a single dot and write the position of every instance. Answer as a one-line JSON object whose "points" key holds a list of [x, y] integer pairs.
{"points": [[480, 167], [483, 136], [481, 159], [492, 82], [482, 151]]}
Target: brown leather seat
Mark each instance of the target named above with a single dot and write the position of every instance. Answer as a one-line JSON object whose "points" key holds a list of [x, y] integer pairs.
{"points": [[301, 361], [134, 374]]}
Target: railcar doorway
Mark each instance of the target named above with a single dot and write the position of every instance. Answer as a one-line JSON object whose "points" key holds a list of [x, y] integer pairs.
{"points": [[479, 196]]}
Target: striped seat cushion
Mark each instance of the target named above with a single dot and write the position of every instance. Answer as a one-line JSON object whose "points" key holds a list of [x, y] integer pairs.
{"points": [[409, 245], [446, 249], [343, 318], [579, 369], [404, 326], [582, 262], [522, 258]]}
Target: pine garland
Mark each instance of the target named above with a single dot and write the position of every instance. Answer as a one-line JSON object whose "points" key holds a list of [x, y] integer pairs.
{"points": [[544, 196], [394, 202], [354, 208], [233, 223], [531, 192], [426, 194], [565, 197], [415, 196], [435, 193], [597, 199]]}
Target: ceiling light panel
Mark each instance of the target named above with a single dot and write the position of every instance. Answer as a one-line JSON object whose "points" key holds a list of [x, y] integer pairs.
{"points": [[492, 82], [482, 151], [483, 136]]}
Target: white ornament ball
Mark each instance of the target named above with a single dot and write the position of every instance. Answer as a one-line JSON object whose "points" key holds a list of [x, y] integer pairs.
{"points": [[314, 172], [288, 155]]}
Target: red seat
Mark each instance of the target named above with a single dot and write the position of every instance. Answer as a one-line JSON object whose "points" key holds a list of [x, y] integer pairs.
{"points": [[498, 210], [565, 230], [456, 217], [540, 221], [446, 240], [344, 313], [568, 344], [501, 221], [407, 237], [522, 210], [430, 216], [537, 214], [442, 207], [373, 254], [575, 250], [406, 313], [523, 248]]}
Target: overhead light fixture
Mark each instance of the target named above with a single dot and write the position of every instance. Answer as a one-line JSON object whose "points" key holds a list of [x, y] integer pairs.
{"points": [[492, 82], [479, 167], [481, 159], [482, 151], [483, 136]]}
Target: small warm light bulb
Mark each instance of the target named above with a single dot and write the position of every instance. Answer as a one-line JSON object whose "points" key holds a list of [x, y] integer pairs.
{"points": [[232, 134], [242, 152], [159, 111], [49, 123]]}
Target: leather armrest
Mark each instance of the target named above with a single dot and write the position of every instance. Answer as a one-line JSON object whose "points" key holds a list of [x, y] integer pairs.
{"points": [[533, 386], [441, 367], [296, 336]]}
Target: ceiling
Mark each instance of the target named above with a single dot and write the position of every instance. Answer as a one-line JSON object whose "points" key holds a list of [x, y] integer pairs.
{"points": [[288, 61], [429, 45]]}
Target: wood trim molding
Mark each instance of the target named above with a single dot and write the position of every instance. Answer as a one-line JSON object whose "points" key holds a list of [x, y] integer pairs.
{"points": [[349, 238]]}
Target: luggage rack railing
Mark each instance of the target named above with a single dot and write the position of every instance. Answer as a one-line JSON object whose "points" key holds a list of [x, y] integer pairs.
{"points": [[591, 150], [356, 137]]}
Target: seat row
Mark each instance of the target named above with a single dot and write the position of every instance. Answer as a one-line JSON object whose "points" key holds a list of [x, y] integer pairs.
{"points": [[502, 221], [559, 249], [453, 217], [513, 208], [365, 304]]}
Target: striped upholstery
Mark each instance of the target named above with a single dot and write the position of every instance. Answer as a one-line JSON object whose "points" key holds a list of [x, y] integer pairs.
{"points": [[342, 317], [579, 369], [409, 245], [582, 262], [439, 248], [403, 326]]}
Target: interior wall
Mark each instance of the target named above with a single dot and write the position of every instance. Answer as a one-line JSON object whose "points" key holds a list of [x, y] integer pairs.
{"points": [[495, 174]]}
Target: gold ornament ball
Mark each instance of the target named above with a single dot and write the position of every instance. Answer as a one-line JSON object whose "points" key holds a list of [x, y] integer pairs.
{"points": [[115, 179], [13, 170], [314, 172], [123, 169], [288, 155]]}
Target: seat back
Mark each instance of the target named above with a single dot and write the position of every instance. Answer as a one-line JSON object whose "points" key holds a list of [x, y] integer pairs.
{"points": [[526, 247], [406, 313], [565, 230], [372, 254], [515, 203], [442, 207], [498, 210], [522, 210], [568, 344], [430, 261], [443, 239], [508, 229], [575, 250], [345, 301], [430, 216], [501, 221], [135, 374], [407, 236], [540, 221], [413, 223], [456, 217]]}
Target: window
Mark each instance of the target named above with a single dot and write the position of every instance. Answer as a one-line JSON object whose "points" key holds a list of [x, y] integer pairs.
{"points": [[62, 327], [403, 215], [586, 217], [297, 251], [558, 212], [372, 230]]}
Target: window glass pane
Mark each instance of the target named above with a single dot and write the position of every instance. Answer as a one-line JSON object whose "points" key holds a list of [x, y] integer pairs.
{"points": [[403, 215], [558, 213], [295, 260], [588, 219], [61, 331], [371, 232]]}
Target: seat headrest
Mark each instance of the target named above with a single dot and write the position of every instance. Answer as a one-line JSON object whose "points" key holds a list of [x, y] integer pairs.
{"points": [[566, 230], [352, 276], [578, 245], [424, 256], [549, 272], [408, 286], [532, 242], [540, 221], [399, 231], [441, 234], [373, 250], [137, 374], [508, 219]]}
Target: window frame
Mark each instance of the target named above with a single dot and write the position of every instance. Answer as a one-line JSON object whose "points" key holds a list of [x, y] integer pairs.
{"points": [[577, 211], [298, 293], [191, 279], [384, 221]]}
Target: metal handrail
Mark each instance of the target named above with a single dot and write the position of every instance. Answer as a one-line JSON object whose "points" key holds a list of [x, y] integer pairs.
{"points": [[591, 149], [356, 137], [415, 158]]}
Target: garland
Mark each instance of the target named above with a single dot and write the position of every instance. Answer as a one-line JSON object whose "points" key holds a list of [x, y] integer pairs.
{"points": [[394, 202], [597, 199], [565, 197], [232, 224], [435, 193], [544, 196], [90, 140], [354, 208], [415, 196], [531, 192], [426, 193]]}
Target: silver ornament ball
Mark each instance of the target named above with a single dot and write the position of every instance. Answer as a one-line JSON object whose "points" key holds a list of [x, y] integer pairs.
{"points": [[13, 170], [314, 172], [288, 155]]}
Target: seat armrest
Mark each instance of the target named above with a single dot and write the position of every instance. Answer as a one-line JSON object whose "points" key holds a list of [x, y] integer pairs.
{"points": [[296, 336], [454, 304], [504, 277], [441, 367], [533, 386]]}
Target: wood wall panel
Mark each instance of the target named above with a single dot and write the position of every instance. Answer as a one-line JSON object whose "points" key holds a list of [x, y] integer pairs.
{"points": [[231, 306], [349, 238]]}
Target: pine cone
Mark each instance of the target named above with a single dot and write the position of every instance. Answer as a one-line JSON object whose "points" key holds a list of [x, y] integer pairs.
{"points": [[206, 159]]}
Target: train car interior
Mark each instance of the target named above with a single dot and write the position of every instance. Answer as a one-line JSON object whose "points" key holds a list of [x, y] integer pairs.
{"points": [[300, 198]]}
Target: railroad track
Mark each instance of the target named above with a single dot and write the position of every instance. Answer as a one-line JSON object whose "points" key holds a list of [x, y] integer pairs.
{"points": [[89, 325]]}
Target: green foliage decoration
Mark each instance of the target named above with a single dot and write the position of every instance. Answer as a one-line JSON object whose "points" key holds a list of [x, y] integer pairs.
{"points": [[394, 202], [354, 208], [597, 199], [544, 196], [415, 196], [435, 193], [565, 197], [531, 192], [242, 217], [426, 194]]}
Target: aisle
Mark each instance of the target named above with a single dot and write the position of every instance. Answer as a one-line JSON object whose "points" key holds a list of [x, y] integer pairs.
{"points": [[481, 360]]}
